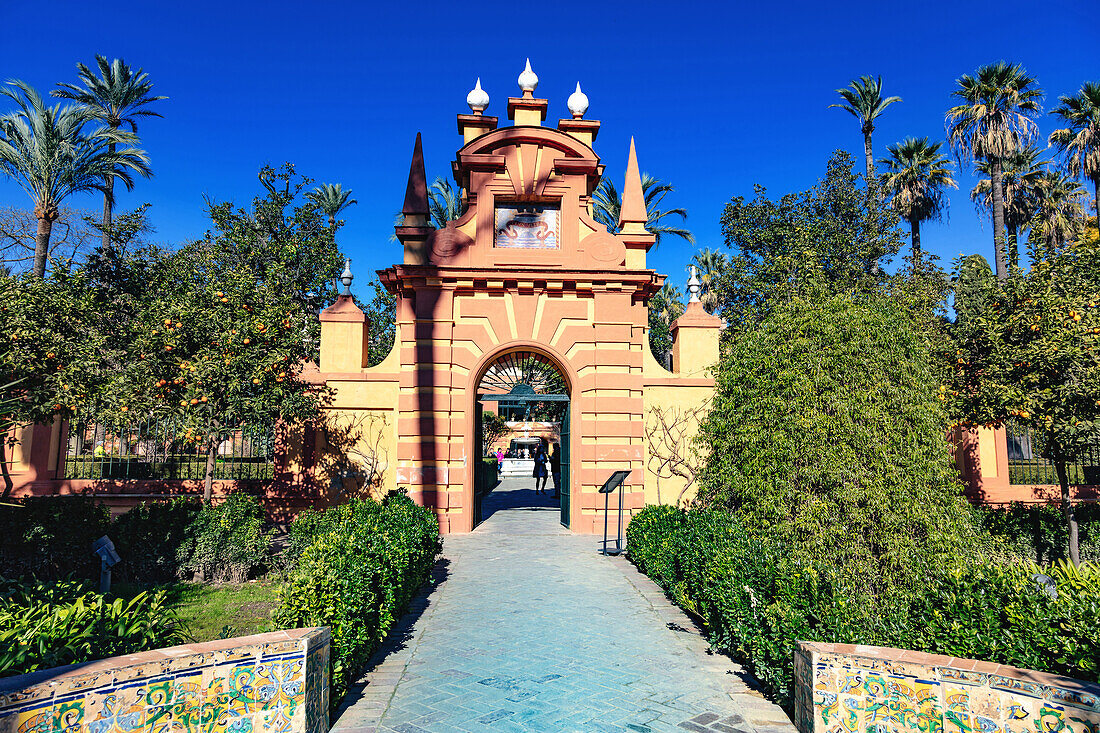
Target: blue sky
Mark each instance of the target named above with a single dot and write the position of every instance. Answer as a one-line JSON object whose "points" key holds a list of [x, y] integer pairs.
{"points": [[719, 96]]}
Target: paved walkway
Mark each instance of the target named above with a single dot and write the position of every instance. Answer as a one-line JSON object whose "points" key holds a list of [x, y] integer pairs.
{"points": [[528, 628]]}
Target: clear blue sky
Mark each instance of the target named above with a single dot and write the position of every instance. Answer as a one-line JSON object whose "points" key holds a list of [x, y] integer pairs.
{"points": [[719, 96]]}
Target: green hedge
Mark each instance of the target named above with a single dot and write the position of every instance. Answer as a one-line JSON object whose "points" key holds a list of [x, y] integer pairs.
{"points": [[756, 602], [357, 567], [1038, 531], [51, 624], [50, 537]]}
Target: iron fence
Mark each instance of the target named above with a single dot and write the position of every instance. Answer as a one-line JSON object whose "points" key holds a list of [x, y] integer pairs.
{"points": [[1027, 467], [157, 449]]}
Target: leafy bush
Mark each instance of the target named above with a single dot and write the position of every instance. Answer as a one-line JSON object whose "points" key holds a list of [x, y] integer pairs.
{"points": [[149, 538], [826, 436], [46, 625], [363, 563], [756, 599], [1038, 531], [226, 542], [51, 537]]}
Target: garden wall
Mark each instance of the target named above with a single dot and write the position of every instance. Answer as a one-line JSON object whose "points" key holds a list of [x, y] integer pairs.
{"points": [[271, 682], [841, 688]]}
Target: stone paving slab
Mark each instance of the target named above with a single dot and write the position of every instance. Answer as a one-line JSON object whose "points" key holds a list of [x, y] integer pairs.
{"points": [[526, 627]]}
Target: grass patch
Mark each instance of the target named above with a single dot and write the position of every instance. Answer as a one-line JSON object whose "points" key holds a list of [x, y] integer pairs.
{"points": [[217, 611], [221, 611]]}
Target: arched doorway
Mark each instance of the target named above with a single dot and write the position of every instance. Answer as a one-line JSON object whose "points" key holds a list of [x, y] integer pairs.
{"points": [[527, 395]]}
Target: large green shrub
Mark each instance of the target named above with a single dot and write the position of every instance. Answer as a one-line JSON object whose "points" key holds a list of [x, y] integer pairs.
{"points": [[363, 563], [149, 538], [826, 435], [51, 537], [46, 625], [757, 601], [226, 542], [1038, 531]]}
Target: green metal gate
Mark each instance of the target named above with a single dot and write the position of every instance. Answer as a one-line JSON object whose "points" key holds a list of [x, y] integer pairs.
{"points": [[563, 490]]}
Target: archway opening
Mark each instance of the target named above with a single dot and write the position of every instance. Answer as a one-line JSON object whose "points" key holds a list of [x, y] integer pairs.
{"points": [[521, 429]]}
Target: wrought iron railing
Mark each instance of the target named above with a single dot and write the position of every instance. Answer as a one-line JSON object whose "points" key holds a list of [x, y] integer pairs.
{"points": [[158, 449], [1026, 466]]}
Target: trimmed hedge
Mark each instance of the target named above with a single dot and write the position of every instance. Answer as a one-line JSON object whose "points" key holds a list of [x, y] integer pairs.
{"points": [[51, 537], [1038, 531], [51, 624], [357, 567], [756, 602]]}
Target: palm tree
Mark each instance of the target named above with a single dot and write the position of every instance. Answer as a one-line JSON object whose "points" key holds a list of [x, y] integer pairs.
{"points": [[917, 175], [117, 97], [1080, 142], [711, 264], [864, 100], [46, 151], [992, 121], [606, 206], [1059, 214], [331, 199], [1019, 172], [445, 202]]}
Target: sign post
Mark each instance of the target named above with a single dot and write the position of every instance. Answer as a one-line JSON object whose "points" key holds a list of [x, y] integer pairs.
{"points": [[612, 483]]}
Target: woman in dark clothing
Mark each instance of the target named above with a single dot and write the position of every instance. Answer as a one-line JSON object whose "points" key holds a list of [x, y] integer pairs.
{"points": [[540, 472], [555, 467]]}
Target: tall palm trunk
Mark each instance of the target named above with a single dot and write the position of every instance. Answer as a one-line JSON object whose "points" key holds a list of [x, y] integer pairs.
{"points": [[914, 228], [1068, 511], [996, 180], [869, 156], [42, 240], [1096, 201], [1013, 242], [108, 203]]}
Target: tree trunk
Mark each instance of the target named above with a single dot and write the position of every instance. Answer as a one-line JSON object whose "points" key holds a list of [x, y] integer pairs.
{"points": [[208, 477], [870, 157], [108, 201], [42, 242], [997, 190], [8, 483], [1096, 201], [1013, 248], [1068, 512], [914, 227]]}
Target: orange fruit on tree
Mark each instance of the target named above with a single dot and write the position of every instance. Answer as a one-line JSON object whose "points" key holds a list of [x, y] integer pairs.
{"points": [[256, 380]]}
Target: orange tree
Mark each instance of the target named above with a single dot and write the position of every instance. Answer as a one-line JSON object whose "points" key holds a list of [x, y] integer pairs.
{"points": [[1032, 355], [234, 321], [49, 354]]}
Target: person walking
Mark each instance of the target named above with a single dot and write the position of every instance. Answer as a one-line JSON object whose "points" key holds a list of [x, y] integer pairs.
{"points": [[539, 473], [500, 459], [555, 468]]}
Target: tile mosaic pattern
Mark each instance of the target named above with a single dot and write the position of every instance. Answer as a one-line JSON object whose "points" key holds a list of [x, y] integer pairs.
{"points": [[847, 689], [268, 682]]}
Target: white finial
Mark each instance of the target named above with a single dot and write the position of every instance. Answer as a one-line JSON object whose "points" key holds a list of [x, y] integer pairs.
{"points": [[693, 287], [528, 81], [478, 98], [577, 103], [346, 278]]}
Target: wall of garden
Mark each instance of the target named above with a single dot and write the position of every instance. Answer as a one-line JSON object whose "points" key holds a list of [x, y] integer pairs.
{"points": [[841, 687], [277, 681]]}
